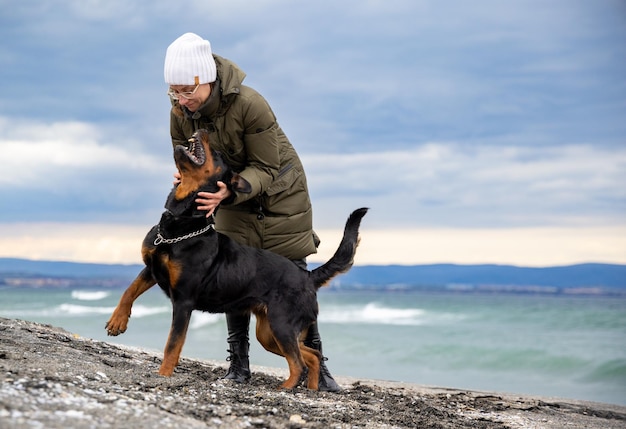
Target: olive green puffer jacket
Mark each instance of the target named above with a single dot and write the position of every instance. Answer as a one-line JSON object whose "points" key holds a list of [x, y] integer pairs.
{"points": [[277, 214]]}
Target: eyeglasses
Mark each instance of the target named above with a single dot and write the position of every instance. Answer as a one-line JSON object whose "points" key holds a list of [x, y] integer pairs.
{"points": [[188, 95]]}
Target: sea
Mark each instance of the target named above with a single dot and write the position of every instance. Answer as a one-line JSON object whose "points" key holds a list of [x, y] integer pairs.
{"points": [[551, 345]]}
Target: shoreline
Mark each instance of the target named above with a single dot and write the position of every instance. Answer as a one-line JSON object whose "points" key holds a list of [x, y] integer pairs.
{"points": [[55, 379]]}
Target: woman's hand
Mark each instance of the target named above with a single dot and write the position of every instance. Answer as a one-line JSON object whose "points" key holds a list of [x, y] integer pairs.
{"points": [[176, 178], [209, 201]]}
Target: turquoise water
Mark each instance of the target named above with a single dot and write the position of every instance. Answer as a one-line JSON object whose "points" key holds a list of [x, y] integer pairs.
{"points": [[564, 346]]}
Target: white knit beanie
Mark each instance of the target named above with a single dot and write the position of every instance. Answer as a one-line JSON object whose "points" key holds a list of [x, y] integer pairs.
{"points": [[188, 61]]}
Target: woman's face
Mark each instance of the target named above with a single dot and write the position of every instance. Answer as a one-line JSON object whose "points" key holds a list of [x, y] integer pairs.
{"points": [[190, 96]]}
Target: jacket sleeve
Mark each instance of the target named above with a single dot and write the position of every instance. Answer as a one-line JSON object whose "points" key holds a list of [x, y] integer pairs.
{"points": [[262, 146]]}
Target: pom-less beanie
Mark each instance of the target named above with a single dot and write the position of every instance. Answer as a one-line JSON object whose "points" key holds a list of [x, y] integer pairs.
{"points": [[189, 61]]}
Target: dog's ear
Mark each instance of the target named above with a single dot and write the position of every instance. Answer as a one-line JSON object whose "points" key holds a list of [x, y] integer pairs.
{"points": [[240, 184], [236, 184]]}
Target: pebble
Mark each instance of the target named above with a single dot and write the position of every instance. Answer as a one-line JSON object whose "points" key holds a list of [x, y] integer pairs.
{"points": [[297, 418]]}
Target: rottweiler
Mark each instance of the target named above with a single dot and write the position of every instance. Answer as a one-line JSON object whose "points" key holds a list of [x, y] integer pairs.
{"points": [[199, 268]]}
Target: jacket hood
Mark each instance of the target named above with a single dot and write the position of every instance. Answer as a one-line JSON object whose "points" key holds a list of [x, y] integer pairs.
{"points": [[230, 75]]}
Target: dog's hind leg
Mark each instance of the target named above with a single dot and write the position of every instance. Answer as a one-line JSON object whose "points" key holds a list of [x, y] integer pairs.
{"points": [[287, 342], [118, 322], [180, 323], [312, 359], [264, 334], [296, 367], [266, 337]]}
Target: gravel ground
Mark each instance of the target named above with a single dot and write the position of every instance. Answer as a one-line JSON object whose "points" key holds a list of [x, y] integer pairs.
{"points": [[51, 378]]}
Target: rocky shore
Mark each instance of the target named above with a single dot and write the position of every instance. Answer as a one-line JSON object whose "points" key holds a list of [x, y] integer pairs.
{"points": [[51, 378]]}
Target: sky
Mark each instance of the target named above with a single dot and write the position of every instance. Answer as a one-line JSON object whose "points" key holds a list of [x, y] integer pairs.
{"points": [[476, 132]]}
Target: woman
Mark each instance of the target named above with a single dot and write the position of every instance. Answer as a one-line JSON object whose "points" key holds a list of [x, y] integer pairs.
{"points": [[207, 92]]}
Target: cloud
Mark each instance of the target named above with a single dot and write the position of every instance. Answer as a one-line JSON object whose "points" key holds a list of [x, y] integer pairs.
{"points": [[478, 186], [73, 171], [73, 165], [402, 71], [46, 155]]}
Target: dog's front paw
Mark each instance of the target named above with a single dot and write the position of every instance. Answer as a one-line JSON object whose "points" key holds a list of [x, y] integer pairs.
{"points": [[116, 325]]}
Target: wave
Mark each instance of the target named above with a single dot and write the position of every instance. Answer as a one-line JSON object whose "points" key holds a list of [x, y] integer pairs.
{"points": [[89, 295], [611, 370], [373, 313], [137, 312], [200, 319]]}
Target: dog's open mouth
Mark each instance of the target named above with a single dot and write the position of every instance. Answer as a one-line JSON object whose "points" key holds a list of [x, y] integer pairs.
{"points": [[195, 151]]}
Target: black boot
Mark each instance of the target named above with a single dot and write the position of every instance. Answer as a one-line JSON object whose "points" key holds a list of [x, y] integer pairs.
{"points": [[238, 346], [313, 340]]}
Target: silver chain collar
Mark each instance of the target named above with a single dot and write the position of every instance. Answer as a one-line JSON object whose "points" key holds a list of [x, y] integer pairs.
{"points": [[160, 239]]}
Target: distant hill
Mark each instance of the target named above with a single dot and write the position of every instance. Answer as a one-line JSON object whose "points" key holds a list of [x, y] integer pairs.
{"points": [[398, 277], [578, 276], [29, 267]]}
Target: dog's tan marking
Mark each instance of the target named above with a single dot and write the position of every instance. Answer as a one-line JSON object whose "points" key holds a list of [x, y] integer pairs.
{"points": [[173, 349], [146, 253], [264, 333], [174, 270]]}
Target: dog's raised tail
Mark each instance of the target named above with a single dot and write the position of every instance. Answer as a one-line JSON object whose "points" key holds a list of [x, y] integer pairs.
{"points": [[343, 258]]}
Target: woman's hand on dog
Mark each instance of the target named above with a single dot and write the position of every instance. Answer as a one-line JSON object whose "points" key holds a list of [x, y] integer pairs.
{"points": [[210, 200]]}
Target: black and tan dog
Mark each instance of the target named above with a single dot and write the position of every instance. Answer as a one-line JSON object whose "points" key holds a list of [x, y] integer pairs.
{"points": [[201, 269]]}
